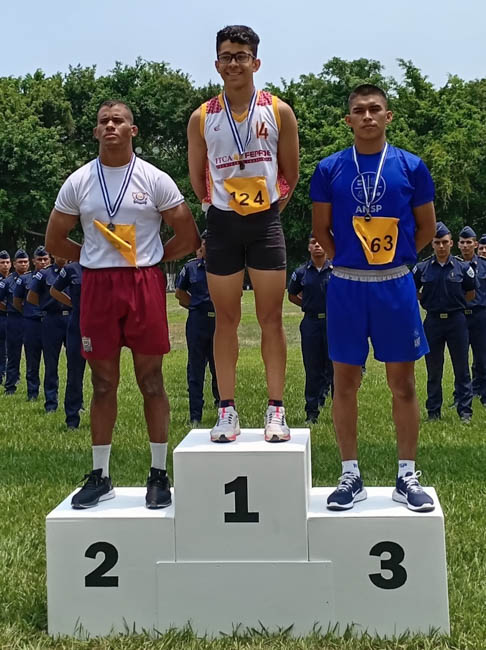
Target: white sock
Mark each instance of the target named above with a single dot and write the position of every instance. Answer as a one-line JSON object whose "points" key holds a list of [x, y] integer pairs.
{"points": [[350, 466], [159, 454], [406, 466], [101, 458]]}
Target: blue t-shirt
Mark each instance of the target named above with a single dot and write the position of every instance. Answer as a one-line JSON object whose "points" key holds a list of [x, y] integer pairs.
{"points": [[405, 183]]}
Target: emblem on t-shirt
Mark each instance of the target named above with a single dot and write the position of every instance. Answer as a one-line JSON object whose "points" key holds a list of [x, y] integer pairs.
{"points": [[369, 179], [140, 197], [86, 341]]}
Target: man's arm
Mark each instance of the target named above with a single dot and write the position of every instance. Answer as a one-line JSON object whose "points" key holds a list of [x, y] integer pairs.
{"points": [[197, 155], [425, 225], [297, 300], [18, 304], [33, 297], [57, 242], [183, 297], [186, 235], [288, 150], [321, 227], [61, 297]]}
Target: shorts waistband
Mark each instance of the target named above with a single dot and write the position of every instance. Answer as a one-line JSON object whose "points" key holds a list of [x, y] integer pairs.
{"points": [[370, 275], [122, 268]]}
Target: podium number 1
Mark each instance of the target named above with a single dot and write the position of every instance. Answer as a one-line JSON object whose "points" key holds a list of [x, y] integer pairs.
{"points": [[392, 564], [240, 487]]}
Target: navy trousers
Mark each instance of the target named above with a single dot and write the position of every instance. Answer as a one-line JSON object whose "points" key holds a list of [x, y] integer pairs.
{"points": [[476, 324], [453, 332], [15, 339], [54, 331], [73, 397], [317, 365], [33, 353], [199, 337], [3, 346]]}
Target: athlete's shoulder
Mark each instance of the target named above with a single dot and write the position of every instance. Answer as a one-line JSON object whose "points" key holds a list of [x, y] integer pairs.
{"points": [[411, 160], [213, 105], [335, 159], [81, 172]]}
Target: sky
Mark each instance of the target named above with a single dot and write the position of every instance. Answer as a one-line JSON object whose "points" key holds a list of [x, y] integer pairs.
{"points": [[441, 37]]}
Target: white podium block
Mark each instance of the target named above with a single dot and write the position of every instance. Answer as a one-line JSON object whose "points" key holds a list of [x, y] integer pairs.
{"points": [[101, 564], [242, 501], [389, 563], [218, 598]]}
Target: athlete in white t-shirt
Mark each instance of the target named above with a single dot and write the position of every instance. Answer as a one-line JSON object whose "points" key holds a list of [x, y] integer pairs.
{"points": [[240, 144], [120, 202]]}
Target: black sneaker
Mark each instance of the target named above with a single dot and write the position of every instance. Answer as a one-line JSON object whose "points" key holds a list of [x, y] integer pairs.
{"points": [[408, 490], [95, 489], [349, 490], [158, 489]]}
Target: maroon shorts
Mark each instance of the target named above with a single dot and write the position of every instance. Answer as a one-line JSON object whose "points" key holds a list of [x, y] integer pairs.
{"points": [[124, 306]]}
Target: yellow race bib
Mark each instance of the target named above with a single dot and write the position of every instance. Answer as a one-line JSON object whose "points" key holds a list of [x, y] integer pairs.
{"points": [[122, 238], [247, 194], [378, 237]]}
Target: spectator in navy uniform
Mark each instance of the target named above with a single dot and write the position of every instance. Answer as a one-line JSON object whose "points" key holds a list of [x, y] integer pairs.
{"points": [[482, 247], [32, 322], [444, 285], [476, 312], [67, 290], [5, 265], [307, 289], [55, 319], [192, 293], [15, 323]]}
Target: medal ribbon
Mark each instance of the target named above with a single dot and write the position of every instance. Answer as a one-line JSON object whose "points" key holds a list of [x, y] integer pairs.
{"points": [[234, 128], [368, 202], [112, 210]]}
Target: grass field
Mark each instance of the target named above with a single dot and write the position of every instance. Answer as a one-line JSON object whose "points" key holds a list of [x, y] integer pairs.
{"points": [[40, 462]]}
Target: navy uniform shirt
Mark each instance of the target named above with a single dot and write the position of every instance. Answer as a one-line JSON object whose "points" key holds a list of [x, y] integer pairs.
{"points": [[70, 277], [192, 279], [444, 287], [22, 286], [312, 284], [479, 266], [41, 284], [7, 286]]}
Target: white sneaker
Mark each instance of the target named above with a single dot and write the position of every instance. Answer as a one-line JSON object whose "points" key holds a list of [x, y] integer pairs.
{"points": [[227, 427], [276, 429]]}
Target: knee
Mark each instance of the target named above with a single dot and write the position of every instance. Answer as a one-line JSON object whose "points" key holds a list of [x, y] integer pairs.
{"points": [[270, 320], [151, 385], [403, 389], [103, 386]]}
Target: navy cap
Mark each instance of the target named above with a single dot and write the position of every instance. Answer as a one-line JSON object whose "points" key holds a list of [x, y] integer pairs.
{"points": [[4, 255], [204, 234], [40, 251], [482, 239], [441, 230], [20, 254], [467, 233]]}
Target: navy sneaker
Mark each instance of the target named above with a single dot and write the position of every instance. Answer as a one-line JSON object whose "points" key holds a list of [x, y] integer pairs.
{"points": [[349, 490], [409, 491], [96, 489], [158, 489]]}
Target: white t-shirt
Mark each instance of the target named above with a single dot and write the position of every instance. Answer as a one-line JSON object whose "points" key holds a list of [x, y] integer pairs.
{"points": [[150, 192]]}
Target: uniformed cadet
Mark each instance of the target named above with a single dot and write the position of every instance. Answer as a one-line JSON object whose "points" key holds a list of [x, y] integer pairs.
{"points": [[5, 265], [32, 322], [482, 246], [476, 311], [15, 323], [55, 317], [307, 289], [444, 285], [67, 290], [193, 294]]}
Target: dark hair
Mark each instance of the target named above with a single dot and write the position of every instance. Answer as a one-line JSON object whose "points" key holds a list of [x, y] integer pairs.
{"points": [[109, 103], [364, 90], [238, 34]]}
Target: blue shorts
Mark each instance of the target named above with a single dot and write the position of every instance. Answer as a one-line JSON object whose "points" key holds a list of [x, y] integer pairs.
{"points": [[385, 311]]}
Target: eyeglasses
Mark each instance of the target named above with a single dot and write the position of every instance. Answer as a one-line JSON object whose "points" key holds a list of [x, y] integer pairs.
{"points": [[239, 57]]}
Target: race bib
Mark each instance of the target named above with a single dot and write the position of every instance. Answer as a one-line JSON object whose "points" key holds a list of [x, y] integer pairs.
{"points": [[247, 195], [122, 238], [378, 237]]}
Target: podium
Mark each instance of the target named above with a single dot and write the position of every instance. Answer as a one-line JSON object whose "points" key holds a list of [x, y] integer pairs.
{"points": [[247, 542]]}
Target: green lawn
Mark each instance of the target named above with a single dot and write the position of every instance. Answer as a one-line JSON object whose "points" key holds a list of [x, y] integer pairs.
{"points": [[41, 462]]}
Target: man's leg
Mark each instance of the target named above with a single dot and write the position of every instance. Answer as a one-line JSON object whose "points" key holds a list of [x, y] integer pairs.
{"points": [[434, 361], [53, 335], [196, 364], [33, 353], [347, 380], [15, 337], [313, 365], [212, 367], [405, 408], [73, 397], [3, 345], [458, 345]]}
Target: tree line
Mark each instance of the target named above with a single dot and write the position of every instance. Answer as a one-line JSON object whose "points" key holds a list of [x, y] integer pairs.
{"points": [[47, 125]]}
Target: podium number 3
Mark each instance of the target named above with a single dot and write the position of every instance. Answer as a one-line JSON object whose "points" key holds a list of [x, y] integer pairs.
{"points": [[241, 515], [97, 578], [392, 564]]}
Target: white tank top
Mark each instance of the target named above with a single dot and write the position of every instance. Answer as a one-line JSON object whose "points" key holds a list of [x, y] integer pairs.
{"points": [[255, 187]]}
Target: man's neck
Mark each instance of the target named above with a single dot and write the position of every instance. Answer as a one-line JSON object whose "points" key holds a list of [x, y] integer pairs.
{"points": [[115, 157], [370, 146], [468, 258], [318, 262], [239, 98], [443, 260]]}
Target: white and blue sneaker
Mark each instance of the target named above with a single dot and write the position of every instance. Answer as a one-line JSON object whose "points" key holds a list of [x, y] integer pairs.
{"points": [[408, 490], [349, 490]]}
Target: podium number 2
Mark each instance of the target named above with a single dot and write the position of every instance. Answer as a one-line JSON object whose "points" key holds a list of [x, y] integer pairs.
{"points": [[240, 487], [393, 564], [97, 578]]}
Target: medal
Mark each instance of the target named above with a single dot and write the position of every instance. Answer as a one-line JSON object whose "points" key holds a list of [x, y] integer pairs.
{"points": [[367, 200], [111, 226], [112, 210], [242, 165], [234, 128]]}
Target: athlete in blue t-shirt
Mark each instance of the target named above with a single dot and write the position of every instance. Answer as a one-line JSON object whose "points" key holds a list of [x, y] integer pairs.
{"points": [[372, 212]]}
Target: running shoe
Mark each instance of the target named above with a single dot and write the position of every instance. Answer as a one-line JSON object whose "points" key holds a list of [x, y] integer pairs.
{"points": [[228, 425], [276, 429], [349, 490], [97, 488], [158, 489], [408, 490]]}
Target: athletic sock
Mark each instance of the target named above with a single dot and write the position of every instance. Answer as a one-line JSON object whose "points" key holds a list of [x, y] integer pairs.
{"points": [[159, 454], [406, 466], [350, 466], [275, 402], [224, 403], [101, 458]]}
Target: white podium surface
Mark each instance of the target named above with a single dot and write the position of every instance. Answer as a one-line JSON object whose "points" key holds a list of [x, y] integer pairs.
{"points": [[242, 501], [101, 564], [389, 562]]}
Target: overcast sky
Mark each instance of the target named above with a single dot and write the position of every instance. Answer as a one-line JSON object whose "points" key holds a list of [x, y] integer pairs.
{"points": [[441, 37]]}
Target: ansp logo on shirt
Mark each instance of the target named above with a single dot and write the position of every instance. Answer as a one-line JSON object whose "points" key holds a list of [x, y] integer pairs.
{"points": [[369, 178], [140, 197]]}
